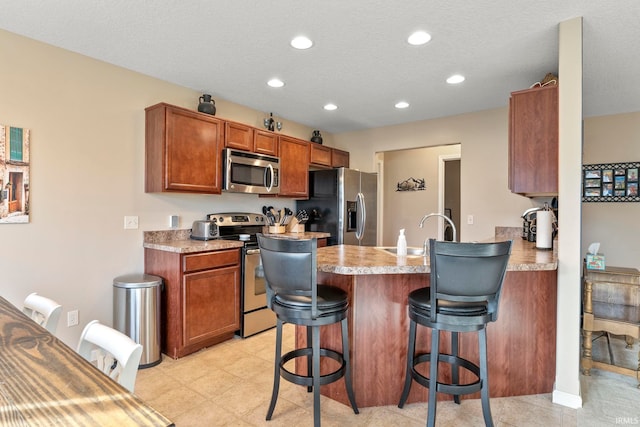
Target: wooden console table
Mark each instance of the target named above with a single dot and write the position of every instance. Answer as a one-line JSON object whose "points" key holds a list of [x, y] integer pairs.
{"points": [[611, 305]]}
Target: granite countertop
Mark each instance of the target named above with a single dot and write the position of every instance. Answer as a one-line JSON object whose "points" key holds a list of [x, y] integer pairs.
{"points": [[360, 260], [178, 241]]}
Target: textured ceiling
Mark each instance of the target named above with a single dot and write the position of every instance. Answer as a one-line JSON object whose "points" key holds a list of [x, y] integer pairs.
{"points": [[360, 60]]}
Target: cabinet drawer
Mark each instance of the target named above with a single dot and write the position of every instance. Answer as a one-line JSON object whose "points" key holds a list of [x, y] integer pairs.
{"points": [[209, 260]]}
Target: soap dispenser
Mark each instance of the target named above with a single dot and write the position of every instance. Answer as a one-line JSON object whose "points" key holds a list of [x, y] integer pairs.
{"points": [[401, 246]]}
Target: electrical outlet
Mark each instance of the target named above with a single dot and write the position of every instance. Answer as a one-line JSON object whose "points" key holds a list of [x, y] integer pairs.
{"points": [[131, 222], [72, 318], [173, 221], [470, 219]]}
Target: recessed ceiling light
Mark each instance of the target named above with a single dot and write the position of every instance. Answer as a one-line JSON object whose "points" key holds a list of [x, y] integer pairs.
{"points": [[419, 38], [455, 79], [301, 42], [330, 107], [275, 83], [402, 104]]}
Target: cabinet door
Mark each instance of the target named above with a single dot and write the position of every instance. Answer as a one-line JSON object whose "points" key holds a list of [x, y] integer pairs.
{"points": [[320, 155], [533, 141], [294, 167], [339, 158], [265, 142], [211, 304], [182, 150], [238, 136]]}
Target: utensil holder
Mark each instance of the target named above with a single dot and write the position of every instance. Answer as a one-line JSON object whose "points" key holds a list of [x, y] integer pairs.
{"points": [[276, 229]]}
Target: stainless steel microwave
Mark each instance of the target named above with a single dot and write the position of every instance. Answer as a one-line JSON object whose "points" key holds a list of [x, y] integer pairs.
{"points": [[246, 172]]}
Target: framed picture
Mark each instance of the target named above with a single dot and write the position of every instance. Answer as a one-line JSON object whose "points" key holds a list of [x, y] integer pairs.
{"points": [[610, 182]]}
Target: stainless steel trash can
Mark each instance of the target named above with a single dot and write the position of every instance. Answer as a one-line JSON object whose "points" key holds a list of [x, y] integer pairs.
{"points": [[136, 313]]}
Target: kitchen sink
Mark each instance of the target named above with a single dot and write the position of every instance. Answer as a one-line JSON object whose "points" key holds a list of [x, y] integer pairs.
{"points": [[411, 251]]}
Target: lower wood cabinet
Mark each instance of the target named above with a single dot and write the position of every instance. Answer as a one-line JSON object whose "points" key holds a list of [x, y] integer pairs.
{"points": [[201, 301]]}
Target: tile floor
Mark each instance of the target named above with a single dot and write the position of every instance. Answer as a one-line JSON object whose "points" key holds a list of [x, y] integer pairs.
{"points": [[230, 385]]}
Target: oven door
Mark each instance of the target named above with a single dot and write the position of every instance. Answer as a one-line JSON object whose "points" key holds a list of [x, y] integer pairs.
{"points": [[256, 316], [255, 295]]}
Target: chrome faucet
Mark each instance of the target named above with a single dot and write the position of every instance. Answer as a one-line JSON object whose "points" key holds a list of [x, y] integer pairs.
{"points": [[425, 245]]}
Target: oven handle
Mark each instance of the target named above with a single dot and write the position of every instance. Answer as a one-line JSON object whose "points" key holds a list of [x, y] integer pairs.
{"points": [[253, 251]]}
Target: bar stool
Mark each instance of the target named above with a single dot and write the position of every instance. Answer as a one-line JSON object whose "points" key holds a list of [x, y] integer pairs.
{"points": [[464, 294], [290, 272]]}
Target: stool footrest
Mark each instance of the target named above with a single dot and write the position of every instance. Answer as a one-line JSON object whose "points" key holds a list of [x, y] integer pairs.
{"points": [[307, 380], [455, 362]]}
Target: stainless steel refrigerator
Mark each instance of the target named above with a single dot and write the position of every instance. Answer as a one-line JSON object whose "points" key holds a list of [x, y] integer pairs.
{"points": [[343, 202]]}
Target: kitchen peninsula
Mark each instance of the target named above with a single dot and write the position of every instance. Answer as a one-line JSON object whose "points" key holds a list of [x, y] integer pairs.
{"points": [[521, 344]]}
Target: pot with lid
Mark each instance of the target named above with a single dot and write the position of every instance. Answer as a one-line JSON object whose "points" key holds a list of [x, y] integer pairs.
{"points": [[204, 230]]}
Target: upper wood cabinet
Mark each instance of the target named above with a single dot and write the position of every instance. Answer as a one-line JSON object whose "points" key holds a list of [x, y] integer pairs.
{"points": [[533, 141], [339, 158], [319, 155], [238, 136], [182, 149], [265, 142], [294, 167]]}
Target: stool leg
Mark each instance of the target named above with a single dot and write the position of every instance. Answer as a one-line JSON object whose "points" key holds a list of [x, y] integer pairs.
{"points": [[433, 377], [484, 376], [347, 369], [455, 369], [410, 354], [309, 358], [315, 332], [276, 373]]}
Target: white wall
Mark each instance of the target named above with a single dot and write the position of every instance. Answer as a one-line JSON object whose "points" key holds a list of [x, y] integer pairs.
{"points": [[612, 139], [484, 163], [404, 209]]}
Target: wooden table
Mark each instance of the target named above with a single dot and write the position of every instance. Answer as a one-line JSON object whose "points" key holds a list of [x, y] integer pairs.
{"points": [[611, 305], [43, 382]]}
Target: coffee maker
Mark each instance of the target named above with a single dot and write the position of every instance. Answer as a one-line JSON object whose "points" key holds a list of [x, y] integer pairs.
{"points": [[529, 224]]}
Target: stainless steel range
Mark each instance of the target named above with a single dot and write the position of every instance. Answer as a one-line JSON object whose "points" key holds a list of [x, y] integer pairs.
{"points": [[256, 317]]}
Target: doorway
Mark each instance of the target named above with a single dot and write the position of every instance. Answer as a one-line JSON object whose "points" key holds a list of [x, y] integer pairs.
{"points": [[438, 167]]}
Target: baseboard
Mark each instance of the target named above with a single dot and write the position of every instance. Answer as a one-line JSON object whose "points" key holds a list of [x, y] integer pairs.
{"points": [[566, 399]]}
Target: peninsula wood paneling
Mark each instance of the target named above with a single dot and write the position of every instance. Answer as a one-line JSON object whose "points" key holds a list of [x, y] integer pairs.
{"points": [[521, 344]]}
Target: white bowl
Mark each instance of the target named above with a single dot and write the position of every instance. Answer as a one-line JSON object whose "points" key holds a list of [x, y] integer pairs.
{"points": [[245, 237]]}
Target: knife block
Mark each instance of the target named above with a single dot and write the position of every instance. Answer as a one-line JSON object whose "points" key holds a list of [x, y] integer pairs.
{"points": [[294, 226]]}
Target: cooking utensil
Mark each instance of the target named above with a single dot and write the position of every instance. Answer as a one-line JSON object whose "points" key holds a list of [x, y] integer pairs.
{"points": [[302, 216]]}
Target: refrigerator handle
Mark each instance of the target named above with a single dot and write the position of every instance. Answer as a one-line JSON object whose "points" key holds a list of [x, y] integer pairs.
{"points": [[362, 209]]}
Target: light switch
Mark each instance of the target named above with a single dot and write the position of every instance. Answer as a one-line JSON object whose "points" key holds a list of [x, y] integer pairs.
{"points": [[131, 222]]}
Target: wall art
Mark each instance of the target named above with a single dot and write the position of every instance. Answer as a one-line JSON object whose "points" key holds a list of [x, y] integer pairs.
{"points": [[411, 184], [14, 174], [610, 182]]}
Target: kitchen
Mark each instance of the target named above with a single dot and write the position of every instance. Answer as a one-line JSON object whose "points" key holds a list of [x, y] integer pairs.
{"points": [[68, 169]]}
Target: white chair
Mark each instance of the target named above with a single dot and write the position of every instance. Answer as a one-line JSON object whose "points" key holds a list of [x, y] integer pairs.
{"points": [[44, 311], [112, 352]]}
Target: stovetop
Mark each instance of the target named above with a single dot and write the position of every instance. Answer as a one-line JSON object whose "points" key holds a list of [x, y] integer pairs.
{"points": [[238, 225]]}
